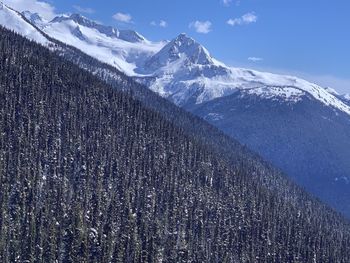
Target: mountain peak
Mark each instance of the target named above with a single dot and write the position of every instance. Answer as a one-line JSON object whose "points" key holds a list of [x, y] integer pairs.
{"points": [[77, 16], [182, 48], [34, 18], [74, 17], [126, 35], [131, 36], [183, 36], [83, 21], [183, 39], [185, 45]]}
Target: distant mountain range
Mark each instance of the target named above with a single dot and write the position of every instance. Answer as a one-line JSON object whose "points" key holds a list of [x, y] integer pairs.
{"points": [[300, 127]]}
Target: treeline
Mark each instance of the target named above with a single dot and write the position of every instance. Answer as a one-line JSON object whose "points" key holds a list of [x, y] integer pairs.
{"points": [[88, 174]]}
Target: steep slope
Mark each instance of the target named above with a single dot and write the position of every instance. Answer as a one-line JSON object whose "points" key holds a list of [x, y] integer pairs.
{"points": [[12, 20], [334, 189], [181, 70], [35, 19], [184, 72], [123, 49], [83, 166], [305, 139], [300, 127], [346, 98]]}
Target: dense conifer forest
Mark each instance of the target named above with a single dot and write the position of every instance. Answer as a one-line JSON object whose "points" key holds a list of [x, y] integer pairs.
{"points": [[89, 174]]}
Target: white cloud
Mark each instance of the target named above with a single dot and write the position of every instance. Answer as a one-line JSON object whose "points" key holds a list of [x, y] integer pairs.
{"points": [[226, 2], [162, 23], [243, 20], [85, 10], [229, 2], [121, 17], [203, 27], [255, 59], [44, 9]]}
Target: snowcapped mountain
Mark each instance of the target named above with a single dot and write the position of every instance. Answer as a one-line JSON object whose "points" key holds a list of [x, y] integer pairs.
{"points": [[78, 20], [181, 48], [299, 126], [181, 70], [184, 72], [123, 49]]}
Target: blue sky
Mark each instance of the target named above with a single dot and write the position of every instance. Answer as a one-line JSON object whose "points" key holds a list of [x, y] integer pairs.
{"points": [[307, 38]]}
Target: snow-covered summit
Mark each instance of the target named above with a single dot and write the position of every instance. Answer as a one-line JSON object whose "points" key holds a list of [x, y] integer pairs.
{"points": [[109, 31], [195, 83], [185, 72], [181, 48], [123, 49], [83, 21]]}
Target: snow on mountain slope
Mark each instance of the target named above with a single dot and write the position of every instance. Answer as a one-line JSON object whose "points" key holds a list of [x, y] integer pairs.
{"points": [[12, 20], [35, 19], [123, 49], [181, 47], [127, 35], [184, 72], [181, 70], [345, 98]]}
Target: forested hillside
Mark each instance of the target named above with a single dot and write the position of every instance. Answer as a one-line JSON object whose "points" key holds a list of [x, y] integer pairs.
{"points": [[306, 140], [88, 174]]}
